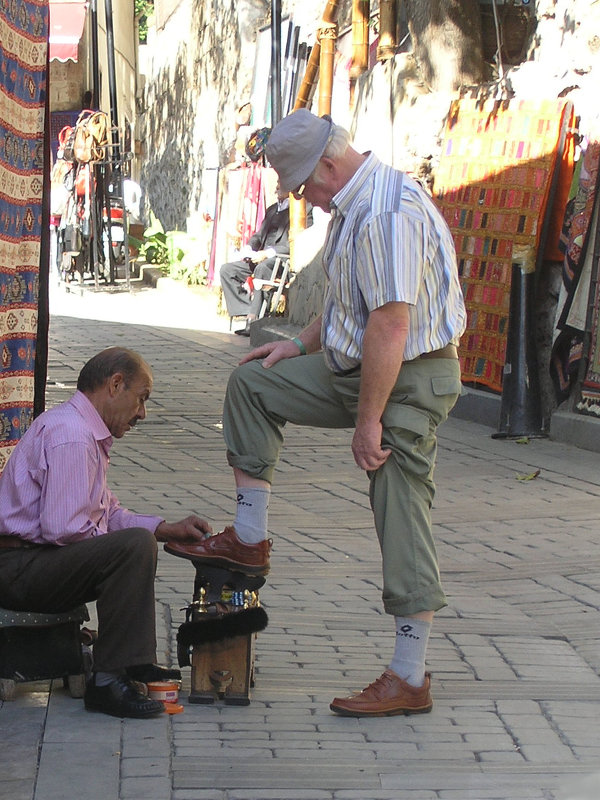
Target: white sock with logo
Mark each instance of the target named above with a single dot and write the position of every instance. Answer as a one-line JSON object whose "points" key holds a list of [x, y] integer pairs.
{"points": [[412, 637], [252, 514]]}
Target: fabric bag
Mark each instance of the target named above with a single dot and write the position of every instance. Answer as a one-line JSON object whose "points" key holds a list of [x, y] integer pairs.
{"points": [[66, 139], [72, 239], [91, 136]]}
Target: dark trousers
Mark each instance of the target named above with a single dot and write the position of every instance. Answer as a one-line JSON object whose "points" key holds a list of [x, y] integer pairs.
{"points": [[233, 276], [116, 570]]}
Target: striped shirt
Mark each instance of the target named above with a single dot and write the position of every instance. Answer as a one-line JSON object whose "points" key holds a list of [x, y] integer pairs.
{"points": [[53, 489], [387, 242]]}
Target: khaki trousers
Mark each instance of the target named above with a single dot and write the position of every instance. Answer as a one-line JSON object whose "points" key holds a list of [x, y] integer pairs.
{"points": [[116, 570], [259, 402]]}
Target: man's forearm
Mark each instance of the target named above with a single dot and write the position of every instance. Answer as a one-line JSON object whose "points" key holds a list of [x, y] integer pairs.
{"points": [[383, 349], [311, 336]]}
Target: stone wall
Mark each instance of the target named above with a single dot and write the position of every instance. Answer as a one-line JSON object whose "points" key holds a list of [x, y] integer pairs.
{"points": [[193, 87], [198, 70]]}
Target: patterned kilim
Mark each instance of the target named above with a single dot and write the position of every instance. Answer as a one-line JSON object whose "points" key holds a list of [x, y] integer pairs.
{"points": [[577, 242], [493, 185], [23, 48], [590, 391]]}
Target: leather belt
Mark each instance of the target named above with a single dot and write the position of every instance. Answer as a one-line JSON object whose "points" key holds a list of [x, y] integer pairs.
{"points": [[15, 543], [449, 351]]}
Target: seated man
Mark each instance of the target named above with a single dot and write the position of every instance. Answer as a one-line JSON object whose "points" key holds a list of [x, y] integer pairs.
{"points": [[258, 259], [65, 539]]}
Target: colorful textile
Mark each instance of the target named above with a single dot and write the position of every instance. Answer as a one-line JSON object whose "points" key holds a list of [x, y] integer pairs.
{"points": [[23, 52], [241, 206], [577, 244], [590, 390], [253, 203], [493, 186]]}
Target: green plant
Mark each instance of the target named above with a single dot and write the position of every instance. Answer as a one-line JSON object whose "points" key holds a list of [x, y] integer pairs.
{"points": [[143, 10], [184, 263], [153, 249], [176, 252]]}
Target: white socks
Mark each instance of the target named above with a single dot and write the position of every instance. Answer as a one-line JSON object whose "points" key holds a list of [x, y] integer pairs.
{"points": [[252, 514], [412, 636]]}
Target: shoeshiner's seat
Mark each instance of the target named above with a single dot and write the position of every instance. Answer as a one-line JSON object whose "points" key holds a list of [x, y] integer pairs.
{"points": [[36, 646], [219, 633]]}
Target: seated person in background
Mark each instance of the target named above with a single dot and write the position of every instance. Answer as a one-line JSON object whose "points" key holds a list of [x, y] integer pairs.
{"points": [[65, 539], [258, 260]]}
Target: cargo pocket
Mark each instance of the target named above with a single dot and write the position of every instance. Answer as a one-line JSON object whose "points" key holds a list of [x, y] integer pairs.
{"points": [[407, 417], [445, 385], [446, 391]]}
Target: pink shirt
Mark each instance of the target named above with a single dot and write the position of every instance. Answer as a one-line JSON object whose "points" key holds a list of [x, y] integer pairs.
{"points": [[53, 489]]}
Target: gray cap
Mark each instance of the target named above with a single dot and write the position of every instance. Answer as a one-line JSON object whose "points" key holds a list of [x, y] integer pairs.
{"points": [[295, 146]]}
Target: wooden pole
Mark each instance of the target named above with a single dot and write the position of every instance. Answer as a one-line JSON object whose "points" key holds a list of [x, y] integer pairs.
{"points": [[360, 43], [314, 70], [328, 38], [387, 30], [306, 90]]}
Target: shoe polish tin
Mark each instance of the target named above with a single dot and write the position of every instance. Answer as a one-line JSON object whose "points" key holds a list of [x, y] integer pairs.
{"points": [[167, 691]]}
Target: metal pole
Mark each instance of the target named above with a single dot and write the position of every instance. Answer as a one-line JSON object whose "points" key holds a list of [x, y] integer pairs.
{"points": [[275, 62], [116, 176], [95, 67], [112, 86]]}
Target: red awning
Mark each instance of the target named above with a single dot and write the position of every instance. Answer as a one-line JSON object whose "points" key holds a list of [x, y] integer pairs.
{"points": [[66, 27]]}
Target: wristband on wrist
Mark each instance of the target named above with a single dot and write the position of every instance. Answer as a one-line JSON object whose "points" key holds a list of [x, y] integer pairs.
{"points": [[300, 344]]}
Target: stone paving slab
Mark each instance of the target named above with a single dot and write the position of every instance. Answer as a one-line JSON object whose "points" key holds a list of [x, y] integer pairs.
{"points": [[515, 656]]}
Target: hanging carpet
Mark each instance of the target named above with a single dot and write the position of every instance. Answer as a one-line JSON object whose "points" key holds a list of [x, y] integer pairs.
{"points": [[23, 53], [501, 163], [590, 391], [577, 242]]}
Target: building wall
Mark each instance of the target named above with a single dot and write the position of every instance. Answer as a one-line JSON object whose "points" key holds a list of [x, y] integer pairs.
{"points": [[69, 81], [194, 84]]}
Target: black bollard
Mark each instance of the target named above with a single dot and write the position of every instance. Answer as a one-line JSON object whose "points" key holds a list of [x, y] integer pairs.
{"points": [[520, 408]]}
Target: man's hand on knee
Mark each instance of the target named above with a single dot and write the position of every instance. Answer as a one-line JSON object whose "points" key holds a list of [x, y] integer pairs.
{"points": [[272, 352], [190, 529]]}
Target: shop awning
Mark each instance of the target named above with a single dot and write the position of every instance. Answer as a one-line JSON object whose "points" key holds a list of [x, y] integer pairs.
{"points": [[67, 18]]}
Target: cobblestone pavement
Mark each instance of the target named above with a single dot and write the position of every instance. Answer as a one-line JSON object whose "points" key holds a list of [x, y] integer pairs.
{"points": [[515, 657]]}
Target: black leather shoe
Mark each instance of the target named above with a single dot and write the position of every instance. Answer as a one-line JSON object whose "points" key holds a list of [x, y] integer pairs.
{"points": [[147, 673], [243, 331], [121, 699]]}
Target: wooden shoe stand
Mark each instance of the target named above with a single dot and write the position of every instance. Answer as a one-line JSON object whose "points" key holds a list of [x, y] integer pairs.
{"points": [[219, 635]]}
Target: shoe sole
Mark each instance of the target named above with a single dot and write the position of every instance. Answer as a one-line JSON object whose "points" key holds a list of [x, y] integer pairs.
{"points": [[346, 712], [253, 572], [147, 715]]}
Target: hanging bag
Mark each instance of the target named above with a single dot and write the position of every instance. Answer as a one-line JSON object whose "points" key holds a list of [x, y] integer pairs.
{"points": [[91, 136], [66, 140]]}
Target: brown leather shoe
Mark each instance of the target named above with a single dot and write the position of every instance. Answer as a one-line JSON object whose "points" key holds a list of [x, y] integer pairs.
{"points": [[226, 550], [386, 696]]}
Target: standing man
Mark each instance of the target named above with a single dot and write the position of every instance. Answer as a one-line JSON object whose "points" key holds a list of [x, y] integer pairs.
{"points": [[381, 359], [65, 539]]}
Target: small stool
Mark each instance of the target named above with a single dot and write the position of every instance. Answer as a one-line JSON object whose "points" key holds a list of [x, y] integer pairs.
{"points": [[36, 646]]}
